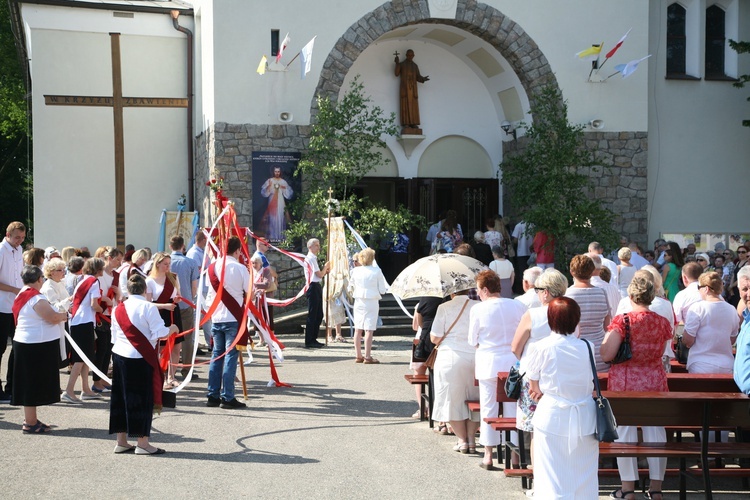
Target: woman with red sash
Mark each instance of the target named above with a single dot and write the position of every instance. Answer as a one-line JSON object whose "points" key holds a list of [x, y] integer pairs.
{"points": [[36, 351], [136, 376], [135, 266], [83, 316], [109, 285], [163, 289]]}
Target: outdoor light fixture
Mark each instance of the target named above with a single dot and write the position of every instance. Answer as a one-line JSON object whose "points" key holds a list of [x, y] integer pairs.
{"points": [[508, 129]]}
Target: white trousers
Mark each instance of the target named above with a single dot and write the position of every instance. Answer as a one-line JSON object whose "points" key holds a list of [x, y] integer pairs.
{"points": [[628, 466], [489, 408]]}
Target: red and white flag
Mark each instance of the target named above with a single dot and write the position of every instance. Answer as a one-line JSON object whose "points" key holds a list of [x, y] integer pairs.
{"points": [[282, 46], [618, 45]]}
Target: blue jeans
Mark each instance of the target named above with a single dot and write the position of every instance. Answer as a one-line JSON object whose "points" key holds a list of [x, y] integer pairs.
{"points": [[221, 372]]}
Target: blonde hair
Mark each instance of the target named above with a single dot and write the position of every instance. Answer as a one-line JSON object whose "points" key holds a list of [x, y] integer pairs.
{"points": [[624, 254], [160, 257], [641, 288], [658, 283], [554, 281], [712, 280], [53, 265], [366, 257], [67, 253]]}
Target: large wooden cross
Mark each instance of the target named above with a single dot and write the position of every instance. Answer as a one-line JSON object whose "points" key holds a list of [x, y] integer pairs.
{"points": [[117, 102]]}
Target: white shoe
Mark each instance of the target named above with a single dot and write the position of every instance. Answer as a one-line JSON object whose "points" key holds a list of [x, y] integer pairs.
{"points": [[66, 398], [90, 397]]}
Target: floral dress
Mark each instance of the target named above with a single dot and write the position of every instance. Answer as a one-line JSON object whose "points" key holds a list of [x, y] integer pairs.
{"points": [[644, 371]]}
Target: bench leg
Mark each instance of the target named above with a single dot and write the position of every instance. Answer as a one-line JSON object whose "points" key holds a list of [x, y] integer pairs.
{"points": [[683, 482]]}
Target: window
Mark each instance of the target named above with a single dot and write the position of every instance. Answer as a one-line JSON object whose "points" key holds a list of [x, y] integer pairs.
{"points": [[715, 42], [676, 40], [274, 42]]}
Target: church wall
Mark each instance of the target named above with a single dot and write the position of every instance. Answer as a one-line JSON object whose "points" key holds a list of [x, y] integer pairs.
{"points": [[698, 163], [74, 145]]}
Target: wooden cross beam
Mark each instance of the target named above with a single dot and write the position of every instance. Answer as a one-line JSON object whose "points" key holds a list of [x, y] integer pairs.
{"points": [[117, 102]]}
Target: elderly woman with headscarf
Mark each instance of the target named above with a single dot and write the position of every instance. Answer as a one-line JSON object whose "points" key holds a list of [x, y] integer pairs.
{"points": [[36, 351]]}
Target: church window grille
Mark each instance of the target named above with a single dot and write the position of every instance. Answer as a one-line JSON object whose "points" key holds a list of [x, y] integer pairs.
{"points": [[676, 40]]}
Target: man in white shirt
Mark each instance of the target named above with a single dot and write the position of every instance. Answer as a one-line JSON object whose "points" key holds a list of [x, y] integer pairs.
{"points": [[690, 295], [197, 252], [613, 293], [597, 248], [11, 265], [636, 256], [314, 294], [226, 318], [530, 298], [522, 237]]}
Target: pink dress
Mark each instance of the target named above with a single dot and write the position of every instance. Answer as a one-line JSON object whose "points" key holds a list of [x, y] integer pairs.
{"points": [[644, 371]]}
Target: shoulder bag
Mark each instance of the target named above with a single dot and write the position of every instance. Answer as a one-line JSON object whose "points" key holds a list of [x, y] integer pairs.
{"points": [[513, 383], [430, 361], [606, 425], [624, 353]]}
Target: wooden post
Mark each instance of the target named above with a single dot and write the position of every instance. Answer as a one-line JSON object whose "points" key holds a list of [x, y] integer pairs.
{"points": [[328, 259]]}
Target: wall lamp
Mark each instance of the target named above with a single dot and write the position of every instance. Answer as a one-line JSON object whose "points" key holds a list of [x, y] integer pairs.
{"points": [[508, 128]]}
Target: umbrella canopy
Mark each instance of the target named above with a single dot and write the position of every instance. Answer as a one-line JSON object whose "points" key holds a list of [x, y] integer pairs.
{"points": [[438, 275]]}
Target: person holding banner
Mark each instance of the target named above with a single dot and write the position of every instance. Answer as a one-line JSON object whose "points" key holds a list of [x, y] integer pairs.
{"points": [[226, 323], [36, 347], [136, 375], [314, 294], [83, 316]]}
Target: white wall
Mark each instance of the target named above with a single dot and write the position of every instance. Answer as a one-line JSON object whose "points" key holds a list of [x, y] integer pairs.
{"points": [[74, 145]]}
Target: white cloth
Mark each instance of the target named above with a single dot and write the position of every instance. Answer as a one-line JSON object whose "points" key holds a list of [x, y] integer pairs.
{"points": [[433, 231], [613, 293], [524, 240], [57, 295], [312, 259], [503, 268], [660, 306], [684, 300], [560, 474], [31, 328], [85, 313], [367, 282], [714, 326], [11, 265], [445, 316], [493, 238], [454, 385], [236, 282], [612, 266], [628, 466], [490, 408], [366, 314], [625, 277], [530, 299], [123, 279], [539, 330], [155, 289], [143, 315], [638, 261], [492, 326]]}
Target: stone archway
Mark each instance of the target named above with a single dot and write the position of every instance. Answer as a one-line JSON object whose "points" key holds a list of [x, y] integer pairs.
{"points": [[479, 19]]}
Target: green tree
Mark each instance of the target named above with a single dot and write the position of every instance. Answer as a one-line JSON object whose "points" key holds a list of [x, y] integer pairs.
{"points": [[346, 142], [15, 179], [548, 182], [741, 48]]}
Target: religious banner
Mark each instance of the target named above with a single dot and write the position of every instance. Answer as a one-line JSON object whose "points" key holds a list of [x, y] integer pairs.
{"points": [[177, 223], [274, 187]]}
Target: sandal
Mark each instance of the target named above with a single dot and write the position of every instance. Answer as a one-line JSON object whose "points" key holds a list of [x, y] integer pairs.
{"points": [[442, 429], [650, 495], [618, 493], [37, 428], [461, 448], [359, 360], [371, 361], [341, 339], [472, 449]]}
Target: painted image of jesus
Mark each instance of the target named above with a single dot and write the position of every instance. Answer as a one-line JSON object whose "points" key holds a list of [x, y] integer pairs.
{"points": [[277, 190]]}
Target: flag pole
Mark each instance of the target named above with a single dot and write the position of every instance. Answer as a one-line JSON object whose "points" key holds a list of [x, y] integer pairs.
{"points": [[328, 259], [595, 64], [613, 74], [290, 62]]}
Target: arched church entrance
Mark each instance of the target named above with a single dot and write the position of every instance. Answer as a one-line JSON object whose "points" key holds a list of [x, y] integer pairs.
{"points": [[483, 68]]}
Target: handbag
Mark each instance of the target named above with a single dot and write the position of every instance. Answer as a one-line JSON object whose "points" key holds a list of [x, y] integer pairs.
{"points": [[624, 353], [606, 425], [513, 383], [430, 361], [681, 351]]}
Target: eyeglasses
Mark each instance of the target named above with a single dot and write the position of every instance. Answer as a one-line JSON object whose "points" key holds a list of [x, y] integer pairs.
{"points": [[702, 286], [701, 260], [727, 253], [537, 289], [741, 251]]}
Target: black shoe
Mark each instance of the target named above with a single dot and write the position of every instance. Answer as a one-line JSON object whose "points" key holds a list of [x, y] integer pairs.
{"points": [[315, 345], [232, 404], [5, 397], [213, 402]]}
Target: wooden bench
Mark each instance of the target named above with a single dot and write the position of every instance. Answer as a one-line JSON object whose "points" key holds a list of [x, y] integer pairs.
{"points": [[425, 395]]}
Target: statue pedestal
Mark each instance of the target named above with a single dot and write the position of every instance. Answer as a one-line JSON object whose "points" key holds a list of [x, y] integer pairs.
{"points": [[410, 141]]}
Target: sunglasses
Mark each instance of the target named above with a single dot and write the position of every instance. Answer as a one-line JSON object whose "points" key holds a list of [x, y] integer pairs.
{"points": [[702, 286], [741, 251], [701, 260], [539, 289]]}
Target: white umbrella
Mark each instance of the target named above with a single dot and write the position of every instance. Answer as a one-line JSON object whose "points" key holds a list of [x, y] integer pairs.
{"points": [[438, 275]]}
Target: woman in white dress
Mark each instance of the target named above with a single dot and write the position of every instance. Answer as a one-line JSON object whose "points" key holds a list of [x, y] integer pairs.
{"points": [[566, 452], [625, 271], [491, 327], [504, 269], [453, 372], [366, 285], [533, 328], [59, 298]]}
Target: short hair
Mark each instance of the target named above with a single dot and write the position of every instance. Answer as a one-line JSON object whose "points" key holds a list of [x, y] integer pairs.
{"points": [[129, 248], [15, 226], [233, 245], [176, 242], [489, 279], [498, 250], [30, 274], [136, 284], [657, 280], [366, 256], [641, 288], [713, 281], [531, 274], [479, 236], [112, 252], [743, 273], [582, 267], [465, 249], [93, 266], [553, 280], [67, 253], [311, 242], [75, 264], [595, 246], [624, 254], [660, 242], [200, 236], [647, 253], [692, 270], [597, 259], [605, 274], [34, 256], [100, 252], [256, 258], [563, 315], [140, 254], [53, 265]]}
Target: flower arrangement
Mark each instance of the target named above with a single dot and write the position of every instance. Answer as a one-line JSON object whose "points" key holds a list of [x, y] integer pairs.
{"points": [[217, 186]]}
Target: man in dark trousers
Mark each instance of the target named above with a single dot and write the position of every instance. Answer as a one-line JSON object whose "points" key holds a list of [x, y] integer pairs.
{"points": [[314, 294]]}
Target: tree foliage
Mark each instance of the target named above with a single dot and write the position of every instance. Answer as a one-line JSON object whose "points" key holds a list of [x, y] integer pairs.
{"points": [[15, 180], [346, 142], [741, 48], [549, 183]]}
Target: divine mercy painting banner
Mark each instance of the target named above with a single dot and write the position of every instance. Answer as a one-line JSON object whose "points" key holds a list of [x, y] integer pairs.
{"points": [[274, 187]]}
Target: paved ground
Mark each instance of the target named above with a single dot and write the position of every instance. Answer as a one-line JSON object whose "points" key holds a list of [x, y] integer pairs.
{"points": [[342, 431]]}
